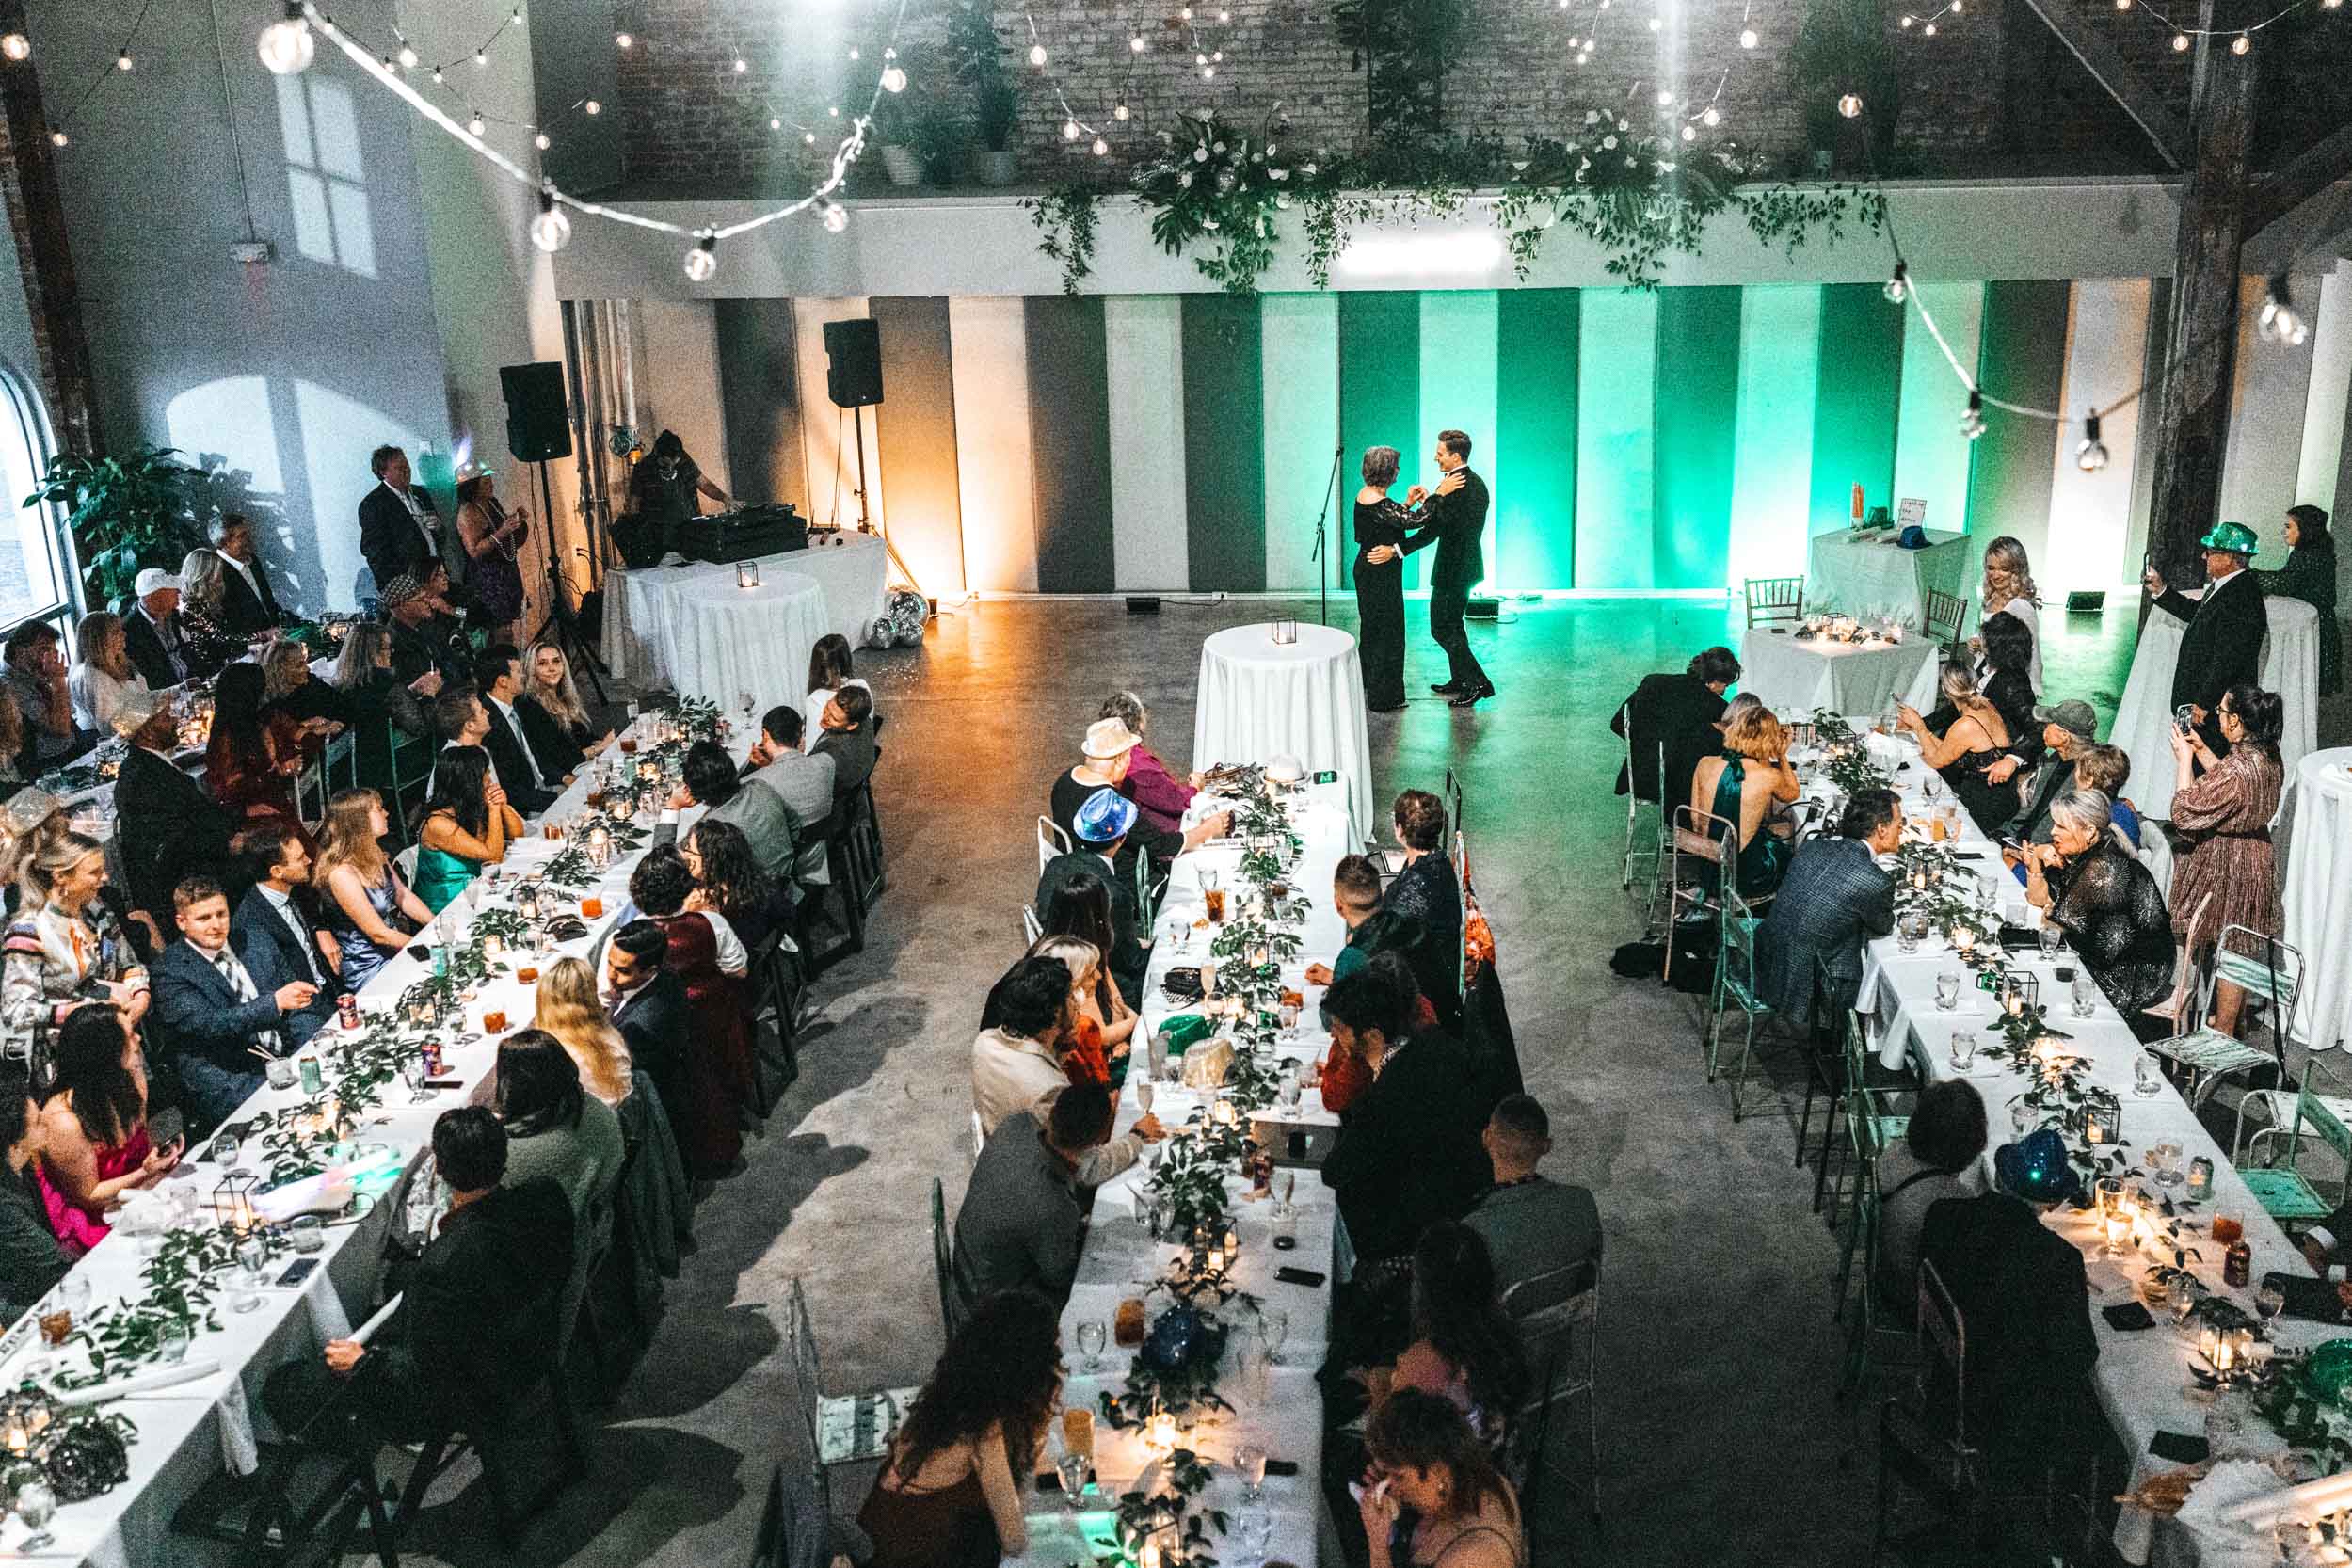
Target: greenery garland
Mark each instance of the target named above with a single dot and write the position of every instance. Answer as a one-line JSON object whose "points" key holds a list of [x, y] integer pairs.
{"points": [[1219, 186], [1152, 1515], [1065, 217]]}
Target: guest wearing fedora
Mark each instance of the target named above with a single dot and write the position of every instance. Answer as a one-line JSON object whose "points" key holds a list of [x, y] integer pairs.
{"points": [[2223, 644], [1100, 829], [1110, 745]]}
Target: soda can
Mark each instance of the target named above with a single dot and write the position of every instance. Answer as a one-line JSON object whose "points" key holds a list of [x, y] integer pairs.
{"points": [[348, 1009], [313, 1078], [432, 1059]]}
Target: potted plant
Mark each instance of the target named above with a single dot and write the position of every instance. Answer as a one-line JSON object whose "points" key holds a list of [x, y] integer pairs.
{"points": [[938, 135], [978, 62], [126, 513], [894, 123]]}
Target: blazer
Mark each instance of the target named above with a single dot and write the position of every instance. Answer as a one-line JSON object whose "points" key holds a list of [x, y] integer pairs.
{"points": [[1456, 523], [653, 1022], [146, 649], [274, 955], [247, 608], [805, 784], [31, 1262], [1408, 1154], [389, 538], [766, 821], [2223, 644], [1133, 957], [167, 826], [2052, 779], [200, 1015], [1842, 899], [512, 759], [1680, 709], [853, 755]]}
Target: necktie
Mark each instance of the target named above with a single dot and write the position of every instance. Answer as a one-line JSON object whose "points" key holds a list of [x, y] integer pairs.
{"points": [[241, 991], [302, 943]]}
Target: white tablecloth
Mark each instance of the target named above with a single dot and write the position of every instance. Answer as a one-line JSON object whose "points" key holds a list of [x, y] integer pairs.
{"points": [[1874, 576], [2290, 667], [850, 569], [2319, 893], [1794, 677], [713, 639], [1259, 699]]}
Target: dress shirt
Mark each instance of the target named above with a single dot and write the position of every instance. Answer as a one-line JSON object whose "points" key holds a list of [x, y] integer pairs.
{"points": [[303, 941], [168, 636], [432, 545]]}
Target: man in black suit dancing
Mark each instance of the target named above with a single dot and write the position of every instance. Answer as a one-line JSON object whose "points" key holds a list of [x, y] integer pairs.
{"points": [[399, 532], [1456, 517], [2223, 644]]}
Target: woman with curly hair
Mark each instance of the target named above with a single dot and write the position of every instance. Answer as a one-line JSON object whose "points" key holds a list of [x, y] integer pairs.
{"points": [[1433, 1496], [728, 879], [949, 1492], [2009, 590]]}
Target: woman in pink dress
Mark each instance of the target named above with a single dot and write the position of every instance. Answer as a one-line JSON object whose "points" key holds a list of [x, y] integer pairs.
{"points": [[1160, 796], [2226, 876], [94, 1128]]}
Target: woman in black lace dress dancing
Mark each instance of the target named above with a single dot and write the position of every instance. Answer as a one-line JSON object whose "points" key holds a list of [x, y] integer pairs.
{"points": [[1380, 527]]}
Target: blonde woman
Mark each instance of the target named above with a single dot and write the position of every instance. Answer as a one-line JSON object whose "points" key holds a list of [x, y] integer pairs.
{"points": [[555, 723], [1970, 744], [203, 611], [104, 674], [1741, 784], [570, 1009], [65, 947], [1091, 1040], [366, 900], [288, 688], [2009, 590]]}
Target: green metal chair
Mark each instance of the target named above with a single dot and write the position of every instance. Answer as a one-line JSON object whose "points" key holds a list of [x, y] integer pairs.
{"points": [[1870, 1128], [1634, 842], [2285, 1194], [1734, 986]]}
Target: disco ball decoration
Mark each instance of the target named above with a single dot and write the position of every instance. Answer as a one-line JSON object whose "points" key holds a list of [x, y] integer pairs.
{"points": [[881, 632], [901, 623]]}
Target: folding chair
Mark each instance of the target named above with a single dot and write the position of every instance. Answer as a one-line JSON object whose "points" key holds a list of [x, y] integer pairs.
{"points": [[1031, 928], [1861, 1104], [1929, 1443], [1051, 841], [2271, 981], [2285, 1194], [1735, 985], [1549, 1308], [1774, 599], [1634, 803], [1699, 839], [845, 1428], [1948, 614]]}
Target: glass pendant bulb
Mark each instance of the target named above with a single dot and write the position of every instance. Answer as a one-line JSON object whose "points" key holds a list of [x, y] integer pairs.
{"points": [[1898, 286], [287, 46], [2090, 454], [550, 229], [703, 260]]}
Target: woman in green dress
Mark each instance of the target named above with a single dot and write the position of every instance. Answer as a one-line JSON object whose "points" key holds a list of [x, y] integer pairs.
{"points": [[2310, 575], [467, 825]]}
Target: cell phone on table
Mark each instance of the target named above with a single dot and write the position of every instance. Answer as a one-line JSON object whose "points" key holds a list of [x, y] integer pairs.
{"points": [[165, 1128], [296, 1271], [421, 951]]}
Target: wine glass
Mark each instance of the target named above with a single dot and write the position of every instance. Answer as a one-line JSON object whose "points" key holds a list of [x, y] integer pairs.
{"points": [[1249, 1460], [1273, 1327], [2270, 1301], [2052, 937], [412, 1074], [173, 1343], [1091, 1335], [1071, 1469], [1143, 1095], [1254, 1526], [36, 1504]]}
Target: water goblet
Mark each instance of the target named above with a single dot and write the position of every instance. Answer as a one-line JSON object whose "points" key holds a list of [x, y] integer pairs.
{"points": [[1144, 1096], [36, 1504], [1273, 1327], [2147, 1076], [1909, 931], [1091, 1335], [2022, 1117], [1071, 1470], [172, 1343], [2270, 1301], [1963, 1048], [1249, 1461], [412, 1074], [1947, 991], [2082, 995], [1254, 1526], [2051, 937]]}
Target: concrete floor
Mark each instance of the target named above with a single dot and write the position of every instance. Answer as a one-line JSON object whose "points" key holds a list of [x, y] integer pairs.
{"points": [[1719, 1357]]}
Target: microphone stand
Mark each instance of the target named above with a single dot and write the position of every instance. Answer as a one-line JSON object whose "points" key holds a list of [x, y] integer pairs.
{"points": [[1323, 567]]}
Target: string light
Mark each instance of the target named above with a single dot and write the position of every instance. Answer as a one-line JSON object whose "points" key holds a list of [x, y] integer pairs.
{"points": [[776, 122], [703, 260], [551, 230], [407, 56], [1102, 148], [286, 46], [835, 216], [741, 65], [1069, 129], [16, 46], [1119, 111], [2179, 44], [59, 139], [477, 125], [123, 61], [893, 78], [481, 58], [1037, 56], [622, 40], [1849, 105], [541, 142], [1898, 286], [1135, 44], [592, 107], [2090, 454], [2240, 44], [2280, 322], [1747, 38], [1972, 421]]}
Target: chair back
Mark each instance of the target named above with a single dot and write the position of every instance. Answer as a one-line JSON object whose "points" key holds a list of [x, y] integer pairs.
{"points": [[1452, 798], [1947, 614], [1625, 754], [1548, 1307], [1739, 934], [1662, 785], [1031, 928], [942, 1262], [1774, 599], [406, 864], [1858, 1096], [1051, 841], [800, 1346], [1702, 836], [1945, 1338], [2269, 971], [2311, 1111], [310, 789]]}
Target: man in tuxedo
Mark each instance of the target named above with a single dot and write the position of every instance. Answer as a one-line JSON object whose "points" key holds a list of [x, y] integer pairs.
{"points": [[648, 1005], [153, 636], [2223, 644], [709, 779], [848, 740], [498, 675], [276, 933], [1456, 520], [214, 1016], [1680, 711], [1102, 827], [803, 780], [399, 531], [247, 602], [167, 826]]}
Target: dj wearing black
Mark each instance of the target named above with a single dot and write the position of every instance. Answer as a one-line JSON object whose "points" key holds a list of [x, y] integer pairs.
{"points": [[665, 491]]}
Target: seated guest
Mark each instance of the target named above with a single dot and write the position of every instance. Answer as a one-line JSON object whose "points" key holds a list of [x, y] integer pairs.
{"points": [[1355, 893], [498, 680], [558, 1133], [218, 1025], [2003, 677], [2104, 768], [38, 679], [848, 739], [468, 826], [948, 1494], [1018, 1062], [1834, 899], [250, 763], [470, 1338], [1432, 1495], [828, 676], [2309, 574], [65, 947], [1080, 908], [2222, 806], [1741, 784], [1425, 892], [2109, 906], [1932, 1162], [1466, 1348], [2069, 728], [2021, 1290], [1108, 759], [1962, 753], [153, 635], [167, 825], [1159, 797], [277, 934], [463, 720], [1100, 829], [17, 767], [709, 779], [1679, 711], [647, 1004], [370, 912], [31, 1262], [555, 722], [384, 711], [93, 1121], [1023, 1222], [104, 673], [1093, 1040], [729, 879], [421, 643], [704, 953], [568, 1008], [802, 780], [1531, 1223], [31, 821], [316, 707]]}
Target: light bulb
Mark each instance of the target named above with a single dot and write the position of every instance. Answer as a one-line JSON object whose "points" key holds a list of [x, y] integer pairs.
{"points": [[2280, 322], [1928, 29], [775, 123], [1217, 57], [741, 65], [1691, 133], [1956, 7], [836, 217], [123, 61], [1713, 116], [2091, 455], [1069, 129], [893, 79], [834, 109], [1898, 286], [2240, 44], [2179, 44], [1119, 112], [1972, 421], [1747, 38], [1665, 96], [438, 77], [2122, 5], [1037, 54], [592, 107], [1907, 22], [854, 53], [2330, 4], [480, 59], [1225, 16], [703, 260], [513, 18], [477, 125], [408, 58], [551, 230], [1656, 23], [1102, 148], [622, 40], [1186, 13], [1209, 73], [541, 142], [16, 46], [286, 47], [1849, 105], [1200, 59], [1135, 44], [59, 139]]}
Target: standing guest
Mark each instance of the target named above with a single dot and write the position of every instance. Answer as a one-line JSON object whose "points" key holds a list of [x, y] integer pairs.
{"points": [[2223, 644], [1968, 747], [554, 720], [251, 759], [1531, 1223], [1932, 1162], [2227, 875], [385, 713], [247, 602], [2310, 575], [498, 679], [2108, 905], [468, 826], [218, 1024], [1457, 521], [568, 1009], [1834, 899], [151, 633], [558, 1133], [206, 641], [93, 1119], [36, 679], [167, 825], [420, 643], [708, 778], [370, 911], [647, 1004], [31, 1262], [802, 780], [948, 1494], [666, 488], [1680, 712], [848, 739], [1425, 892], [1742, 785], [104, 673], [1023, 1224], [491, 534], [1382, 526], [2068, 729], [1466, 1348], [2009, 590], [275, 932], [399, 532], [729, 880], [1017, 1064], [1100, 829], [1155, 791], [703, 953], [316, 707], [1108, 758], [828, 674], [1434, 1495], [65, 947]]}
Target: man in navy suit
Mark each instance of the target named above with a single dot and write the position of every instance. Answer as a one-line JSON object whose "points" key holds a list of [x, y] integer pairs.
{"points": [[1456, 522], [2223, 644], [276, 933], [219, 1026], [648, 1005]]}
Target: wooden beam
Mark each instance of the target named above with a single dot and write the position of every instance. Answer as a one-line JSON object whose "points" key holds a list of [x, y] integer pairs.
{"points": [[2108, 66], [2314, 171], [28, 182]]}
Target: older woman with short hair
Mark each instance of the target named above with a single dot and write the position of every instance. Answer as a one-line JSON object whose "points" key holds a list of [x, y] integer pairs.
{"points": [[2108, 905], [1160, 796]]}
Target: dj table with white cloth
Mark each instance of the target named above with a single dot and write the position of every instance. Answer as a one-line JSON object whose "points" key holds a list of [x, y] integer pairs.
{"points": [[1259, 699], [2319, 893], [1793, 676], [713, 638], [2290, 667], [1870, 574], [851, 570]]}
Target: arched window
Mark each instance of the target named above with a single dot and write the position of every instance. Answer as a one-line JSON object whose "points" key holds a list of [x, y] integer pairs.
{"points": [[35, 561]]}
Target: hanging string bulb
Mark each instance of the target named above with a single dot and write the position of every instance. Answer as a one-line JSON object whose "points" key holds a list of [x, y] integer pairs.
{"points": [[834, 215], [2280, 322], [1665, 97], [741, 65], [703, 260], [1928, 29], [17, 48], [1691, 133], [1898, 286], [2090, 454], [1713, 115], [2241, 43], [622, 40], [407, 55], [1037, 56], [1747, 38], [476, 124], [1069, 129], [438, 77], [1102, 148], [541, 142], [1907, 22], [551, 230], [286, 45], [1119, 111], [592, 107], [776, 122], [124, 62], [893, 78], [59, 139], [1135, 44], [2179, 44], [1849, 105], [480, 59], [1972, 421]]}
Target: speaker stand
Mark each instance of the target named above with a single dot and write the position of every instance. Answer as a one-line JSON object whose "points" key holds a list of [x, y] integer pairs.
{"points": [[566, 630], [864, 513]]}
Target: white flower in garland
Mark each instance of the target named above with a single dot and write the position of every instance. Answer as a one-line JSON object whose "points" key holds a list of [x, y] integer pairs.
{"points": [[1608, 144], [1591, 117], [1200, 154], [1185, 179], [1277, 174]]}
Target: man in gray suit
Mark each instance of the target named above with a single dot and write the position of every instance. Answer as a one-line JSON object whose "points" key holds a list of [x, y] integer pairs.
{"points": [[1531, 1224], [802, 780], [710, 779], [1834, 900]]}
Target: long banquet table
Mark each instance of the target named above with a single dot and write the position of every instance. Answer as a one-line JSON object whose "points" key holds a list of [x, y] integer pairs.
{"points": [[2143, 1377]]}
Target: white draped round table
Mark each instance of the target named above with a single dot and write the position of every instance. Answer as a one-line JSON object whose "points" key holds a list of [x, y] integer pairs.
{"points": [[2319, 895], [1793, 676], [719, 640], [1259, 698], [852, 570], [2290, 667]]}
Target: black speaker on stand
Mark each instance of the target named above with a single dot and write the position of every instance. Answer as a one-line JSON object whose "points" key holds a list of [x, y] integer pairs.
{"points": [[853, 379], [538, 430]]}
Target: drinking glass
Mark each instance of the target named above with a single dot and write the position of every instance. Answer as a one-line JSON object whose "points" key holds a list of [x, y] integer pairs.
{"points": [[1963, 1048], [1072, 1469], [1286, 1087], [2147, 1076], [1140, 1197], [225, 1149], [2022, 1117], [1249, 1460], [244, 1290], [1932, 785], [2083, 994], [2052, 937], [173, 1343], [1144, 1096], [279, 1072], [1092, 1334], [2165, 1157], [1947, 991], [306, 1233], [412, 1074], [2270, 1301], [36, 1504], [1909, 932], [1254, 1526], [1273, 1327]]}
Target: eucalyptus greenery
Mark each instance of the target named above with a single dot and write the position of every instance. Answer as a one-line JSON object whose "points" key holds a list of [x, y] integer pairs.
{"points": [[1065, 217], [1150, 1516], [1187, 1389], [180, 1283]]}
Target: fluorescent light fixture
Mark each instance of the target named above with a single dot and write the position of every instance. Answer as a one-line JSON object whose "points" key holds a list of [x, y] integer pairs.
{"points": [[1407, 255]]}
